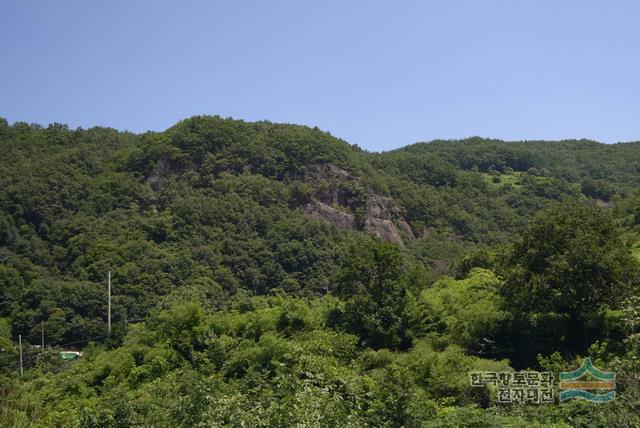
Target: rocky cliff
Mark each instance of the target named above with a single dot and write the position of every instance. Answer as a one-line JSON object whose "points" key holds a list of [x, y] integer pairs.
{"points": [[339, 200]]}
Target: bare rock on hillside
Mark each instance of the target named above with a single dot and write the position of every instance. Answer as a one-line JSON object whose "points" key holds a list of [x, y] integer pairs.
{"points": [[321, 211], [385, 219], [381, 217], [383, 229], [326, 171], [161, 171]]}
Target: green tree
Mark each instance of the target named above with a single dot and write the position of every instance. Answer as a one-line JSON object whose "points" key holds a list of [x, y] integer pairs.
{"points": [[370, 280], [568, 267], [469, 310]]}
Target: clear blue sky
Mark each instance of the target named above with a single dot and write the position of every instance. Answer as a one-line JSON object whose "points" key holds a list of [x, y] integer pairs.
{"points": [[379, 74]]}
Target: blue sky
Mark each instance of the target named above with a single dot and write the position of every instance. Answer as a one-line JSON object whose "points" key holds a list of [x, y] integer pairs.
{"points": [[379, 74]]}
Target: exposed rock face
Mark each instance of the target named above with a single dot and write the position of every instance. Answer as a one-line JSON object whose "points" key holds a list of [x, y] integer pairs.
{"points": [[329, 182], [325, 171], [379, 206], [381, 217], [404, 228], [383, 229], [321, 211], [161, 171]]}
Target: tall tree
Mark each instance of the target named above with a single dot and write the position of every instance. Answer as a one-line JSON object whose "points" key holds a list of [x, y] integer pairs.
{"points": [[567, 268], [370, 280]]}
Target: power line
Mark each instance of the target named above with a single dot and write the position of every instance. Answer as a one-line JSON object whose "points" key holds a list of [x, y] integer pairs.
{"points": [[28, 357], [62, 345]]}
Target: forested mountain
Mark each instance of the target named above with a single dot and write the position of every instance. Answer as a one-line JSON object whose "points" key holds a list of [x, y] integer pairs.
{"points": [[273, 275]]}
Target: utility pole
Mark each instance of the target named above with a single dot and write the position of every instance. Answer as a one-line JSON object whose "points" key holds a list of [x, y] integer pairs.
{"points": [[42, 342], [109, 303], [20, 342]]}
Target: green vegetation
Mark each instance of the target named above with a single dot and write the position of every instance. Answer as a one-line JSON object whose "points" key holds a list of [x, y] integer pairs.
{"points": [[272, 275]]}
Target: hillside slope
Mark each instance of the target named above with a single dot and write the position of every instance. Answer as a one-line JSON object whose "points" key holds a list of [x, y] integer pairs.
{"points": [[226, 202], [257, 258]]}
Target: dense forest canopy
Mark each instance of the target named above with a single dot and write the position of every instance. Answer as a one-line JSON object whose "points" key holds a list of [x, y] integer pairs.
{"points": [[272, 275]]}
